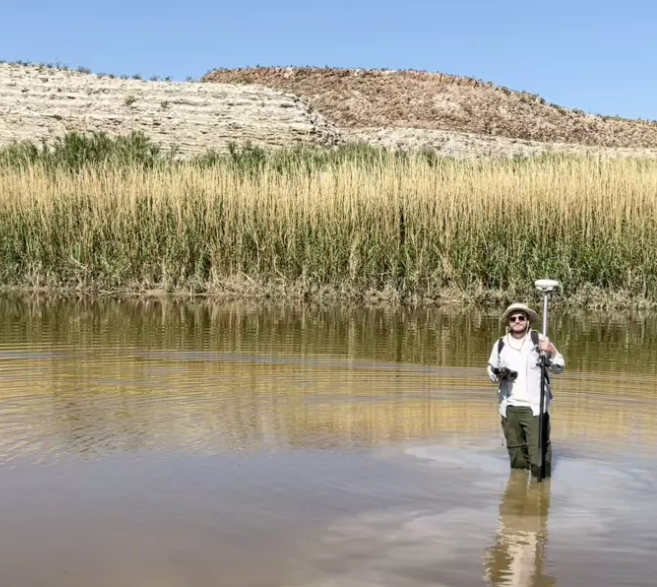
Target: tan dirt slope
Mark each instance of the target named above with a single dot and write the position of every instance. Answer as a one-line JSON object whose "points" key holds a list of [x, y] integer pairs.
{"points": [[40, 103], [374, 101]]}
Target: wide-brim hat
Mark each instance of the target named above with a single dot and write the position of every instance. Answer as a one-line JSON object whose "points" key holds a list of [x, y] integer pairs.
{"points": [[533, 316]]}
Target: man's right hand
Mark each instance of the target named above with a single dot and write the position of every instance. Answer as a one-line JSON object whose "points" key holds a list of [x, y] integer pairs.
{"points": [[493, 378]]}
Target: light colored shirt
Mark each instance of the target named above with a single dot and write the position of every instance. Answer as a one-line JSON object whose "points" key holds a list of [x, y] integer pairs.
{"points": [[523, 358], [516, 360]]}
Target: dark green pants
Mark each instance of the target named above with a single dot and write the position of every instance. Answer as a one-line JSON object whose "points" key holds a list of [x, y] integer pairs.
{"points": [[521, 433]]}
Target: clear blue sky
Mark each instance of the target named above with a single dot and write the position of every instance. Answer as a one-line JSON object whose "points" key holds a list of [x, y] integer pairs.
{"points": [[600, 56]]}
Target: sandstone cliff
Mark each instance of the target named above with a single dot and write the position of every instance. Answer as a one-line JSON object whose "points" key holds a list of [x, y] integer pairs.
{"points": [[39, 103]]}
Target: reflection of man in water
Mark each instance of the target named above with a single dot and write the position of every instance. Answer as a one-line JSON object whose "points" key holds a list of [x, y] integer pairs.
{"points": [[514, 363], [517, 557]]}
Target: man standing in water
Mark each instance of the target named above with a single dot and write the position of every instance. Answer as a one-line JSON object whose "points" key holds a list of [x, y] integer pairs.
{"points": [[514, 363]]}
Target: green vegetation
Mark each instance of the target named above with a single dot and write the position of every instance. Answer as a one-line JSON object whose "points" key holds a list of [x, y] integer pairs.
{"points": [[123, 214], [75, 151]]}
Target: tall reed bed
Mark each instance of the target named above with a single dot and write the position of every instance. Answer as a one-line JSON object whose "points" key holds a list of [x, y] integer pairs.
{"points": [[350, 221]]}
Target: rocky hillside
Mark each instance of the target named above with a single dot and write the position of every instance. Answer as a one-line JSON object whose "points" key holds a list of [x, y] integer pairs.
{"points": [[374, 102], [276, 107], [38, 103]]}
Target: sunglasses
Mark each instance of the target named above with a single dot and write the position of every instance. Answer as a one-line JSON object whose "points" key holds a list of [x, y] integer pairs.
{"points": [[519, 318]]}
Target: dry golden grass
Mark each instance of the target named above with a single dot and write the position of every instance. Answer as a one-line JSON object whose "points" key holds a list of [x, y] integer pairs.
{"points": [[410, 99], [409, 226]]}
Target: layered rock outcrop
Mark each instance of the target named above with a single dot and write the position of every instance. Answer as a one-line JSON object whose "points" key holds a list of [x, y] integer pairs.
{"points": [[40, 103]]}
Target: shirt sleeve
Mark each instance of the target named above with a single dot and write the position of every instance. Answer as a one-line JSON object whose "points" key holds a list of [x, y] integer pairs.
{"points": [[493, 361], [557, 363]]}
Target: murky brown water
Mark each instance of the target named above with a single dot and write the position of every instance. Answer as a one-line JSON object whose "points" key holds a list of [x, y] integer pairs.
{"points": [[172, 444]]}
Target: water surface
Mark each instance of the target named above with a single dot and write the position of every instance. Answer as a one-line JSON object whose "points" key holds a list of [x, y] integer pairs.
{"points": [[178, 443]]}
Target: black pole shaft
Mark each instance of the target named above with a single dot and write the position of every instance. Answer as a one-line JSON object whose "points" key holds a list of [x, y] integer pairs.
{"points": [[540, 474], [541, 424]]}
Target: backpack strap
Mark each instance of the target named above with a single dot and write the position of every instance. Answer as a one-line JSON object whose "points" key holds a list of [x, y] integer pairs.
{"points": [[500, 345], [534, 335]]}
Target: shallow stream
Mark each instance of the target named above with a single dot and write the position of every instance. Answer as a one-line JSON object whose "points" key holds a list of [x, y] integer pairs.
{"points": [[167, 444]]}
